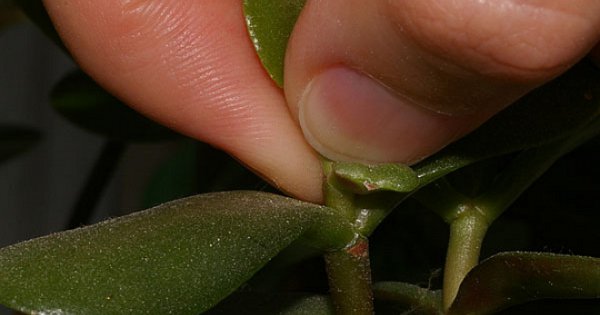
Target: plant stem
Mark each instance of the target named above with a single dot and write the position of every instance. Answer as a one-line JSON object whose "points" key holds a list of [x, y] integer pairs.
{"points": [[349, 276], [417, 298], [468, 229], [467, 232], [96, 182], [338, 198], [348, 269]]}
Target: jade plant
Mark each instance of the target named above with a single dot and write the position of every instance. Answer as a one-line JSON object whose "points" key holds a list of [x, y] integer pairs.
{"points": [[251, 252]]}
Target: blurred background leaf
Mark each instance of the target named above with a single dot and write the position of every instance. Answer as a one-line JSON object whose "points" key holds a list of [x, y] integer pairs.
{"points": [[35, 11], [79, 99], [15, 140], [195, 167], [176, 177]]}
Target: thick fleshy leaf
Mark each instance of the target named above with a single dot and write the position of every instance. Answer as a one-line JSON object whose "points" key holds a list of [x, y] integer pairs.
{"points": [[35, 11], [270, 23], [314, 305], [15, 140], [513, 278], [279, 304], [178, 258], [547, 114], [78, 98]]}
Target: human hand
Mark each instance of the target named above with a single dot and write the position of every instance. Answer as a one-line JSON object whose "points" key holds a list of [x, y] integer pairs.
{"points": [[391, 80]]}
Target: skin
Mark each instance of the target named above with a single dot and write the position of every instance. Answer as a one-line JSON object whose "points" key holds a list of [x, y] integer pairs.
{"points": [[369, 81]]}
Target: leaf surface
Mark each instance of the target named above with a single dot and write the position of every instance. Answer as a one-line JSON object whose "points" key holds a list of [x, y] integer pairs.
{"points": [[513, 278], [274, 304], [270, 24], [178, 258]]}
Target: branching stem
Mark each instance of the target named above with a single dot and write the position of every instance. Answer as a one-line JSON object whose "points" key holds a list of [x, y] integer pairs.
{"points": [[466, 236]]}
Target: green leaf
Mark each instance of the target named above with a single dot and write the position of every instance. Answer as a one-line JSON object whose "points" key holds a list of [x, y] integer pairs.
{"points": [[364, 179], [278, 304], [549, 113], [175, 178], [314, 305], [15, 140], [270, 24], [35, 11], [79, 99], [409, 295], [179, 258], [513, 278]]}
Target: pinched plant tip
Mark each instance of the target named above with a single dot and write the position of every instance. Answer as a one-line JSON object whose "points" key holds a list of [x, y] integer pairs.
{"points": [[364, 179]]}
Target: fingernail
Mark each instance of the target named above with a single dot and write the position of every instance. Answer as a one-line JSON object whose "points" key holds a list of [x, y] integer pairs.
{"points": [[347, 116]]}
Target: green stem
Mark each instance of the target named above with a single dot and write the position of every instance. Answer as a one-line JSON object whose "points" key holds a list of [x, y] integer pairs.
{"points": [[473, 217], [468, 225], [335, 197], [349, 276], [348, 269], [467, 232], [374, 209]]}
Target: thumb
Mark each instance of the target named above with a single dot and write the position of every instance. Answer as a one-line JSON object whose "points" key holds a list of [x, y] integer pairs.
{"points": [[395, 81]]}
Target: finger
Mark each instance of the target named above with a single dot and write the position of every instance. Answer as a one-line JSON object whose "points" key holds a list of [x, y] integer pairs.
{"points": [[397, 80], [190, 65]]}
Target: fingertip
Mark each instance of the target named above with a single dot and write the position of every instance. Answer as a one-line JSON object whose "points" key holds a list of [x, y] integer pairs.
{"points": [[347, 116], [191, 66], [381, 81]]}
